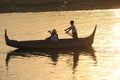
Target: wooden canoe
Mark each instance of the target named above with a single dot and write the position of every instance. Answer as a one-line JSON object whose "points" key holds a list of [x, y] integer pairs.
{"points": [[47, 44]]}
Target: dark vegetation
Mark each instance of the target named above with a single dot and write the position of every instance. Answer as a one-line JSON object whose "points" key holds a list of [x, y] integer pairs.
{"points": [[55, 5]]}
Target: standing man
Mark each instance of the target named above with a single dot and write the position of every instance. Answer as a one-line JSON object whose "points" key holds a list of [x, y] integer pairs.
{"points": [[73, 28]]}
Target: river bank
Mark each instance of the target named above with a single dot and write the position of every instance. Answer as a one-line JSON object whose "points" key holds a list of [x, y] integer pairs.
{"points": [[58, 6]]}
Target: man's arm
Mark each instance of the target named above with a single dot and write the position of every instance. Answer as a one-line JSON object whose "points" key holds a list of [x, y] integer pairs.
{"points": [[68, 29]]}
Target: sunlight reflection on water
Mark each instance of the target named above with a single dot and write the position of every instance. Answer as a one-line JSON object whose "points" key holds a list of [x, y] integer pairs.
{"points": [[102, 65]]}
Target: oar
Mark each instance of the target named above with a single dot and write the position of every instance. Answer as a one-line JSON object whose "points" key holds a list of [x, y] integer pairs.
{"points": [[68, 33]]}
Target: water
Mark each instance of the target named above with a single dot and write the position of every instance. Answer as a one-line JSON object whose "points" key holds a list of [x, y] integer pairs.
{"points": [[99, 63]]}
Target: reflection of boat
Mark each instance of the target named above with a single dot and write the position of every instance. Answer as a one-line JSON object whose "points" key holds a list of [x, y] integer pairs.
{"points": [[47, 44], [86, 51], [52, 54], [30, 53]]}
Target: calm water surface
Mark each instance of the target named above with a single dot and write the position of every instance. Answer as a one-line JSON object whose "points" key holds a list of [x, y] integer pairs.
{"points": [[99, 63]]}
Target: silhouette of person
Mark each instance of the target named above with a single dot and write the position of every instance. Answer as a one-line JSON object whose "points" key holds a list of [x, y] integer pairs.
{"points": [[54, 35], [73, 28]]}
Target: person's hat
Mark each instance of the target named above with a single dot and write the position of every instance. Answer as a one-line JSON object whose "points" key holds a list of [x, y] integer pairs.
{"points": [[54, 30]]}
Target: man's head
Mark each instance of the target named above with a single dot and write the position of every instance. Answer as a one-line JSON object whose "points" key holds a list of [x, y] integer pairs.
{"points": [[71, 22]]}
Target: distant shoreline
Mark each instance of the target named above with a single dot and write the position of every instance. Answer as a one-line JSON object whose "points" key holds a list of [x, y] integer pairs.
{"points": [[8, 8]]}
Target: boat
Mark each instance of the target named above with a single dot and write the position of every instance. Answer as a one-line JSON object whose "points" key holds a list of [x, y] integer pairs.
{"points": [[48, 44]]}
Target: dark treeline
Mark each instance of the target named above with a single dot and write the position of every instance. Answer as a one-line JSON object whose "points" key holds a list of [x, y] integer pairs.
{"points": [[56, 5], [50, 1]]}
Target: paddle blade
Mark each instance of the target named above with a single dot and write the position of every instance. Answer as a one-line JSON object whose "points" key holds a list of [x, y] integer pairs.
{"points": [[68, 33]]}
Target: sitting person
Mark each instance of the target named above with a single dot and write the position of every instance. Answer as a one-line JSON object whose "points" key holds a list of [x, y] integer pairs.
{"points": [[54, 35]]}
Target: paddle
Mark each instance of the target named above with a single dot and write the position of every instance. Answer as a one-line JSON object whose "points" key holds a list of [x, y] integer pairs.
{"points": [[68, 33]]}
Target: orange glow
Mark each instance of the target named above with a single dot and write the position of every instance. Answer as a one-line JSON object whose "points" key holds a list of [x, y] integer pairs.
{"points": [[116, 12], [116, 34], [116, 30]]}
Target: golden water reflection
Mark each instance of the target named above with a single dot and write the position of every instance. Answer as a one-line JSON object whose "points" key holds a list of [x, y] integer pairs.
{"points": [[116, 12], [116, 36], [45, 66]]}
